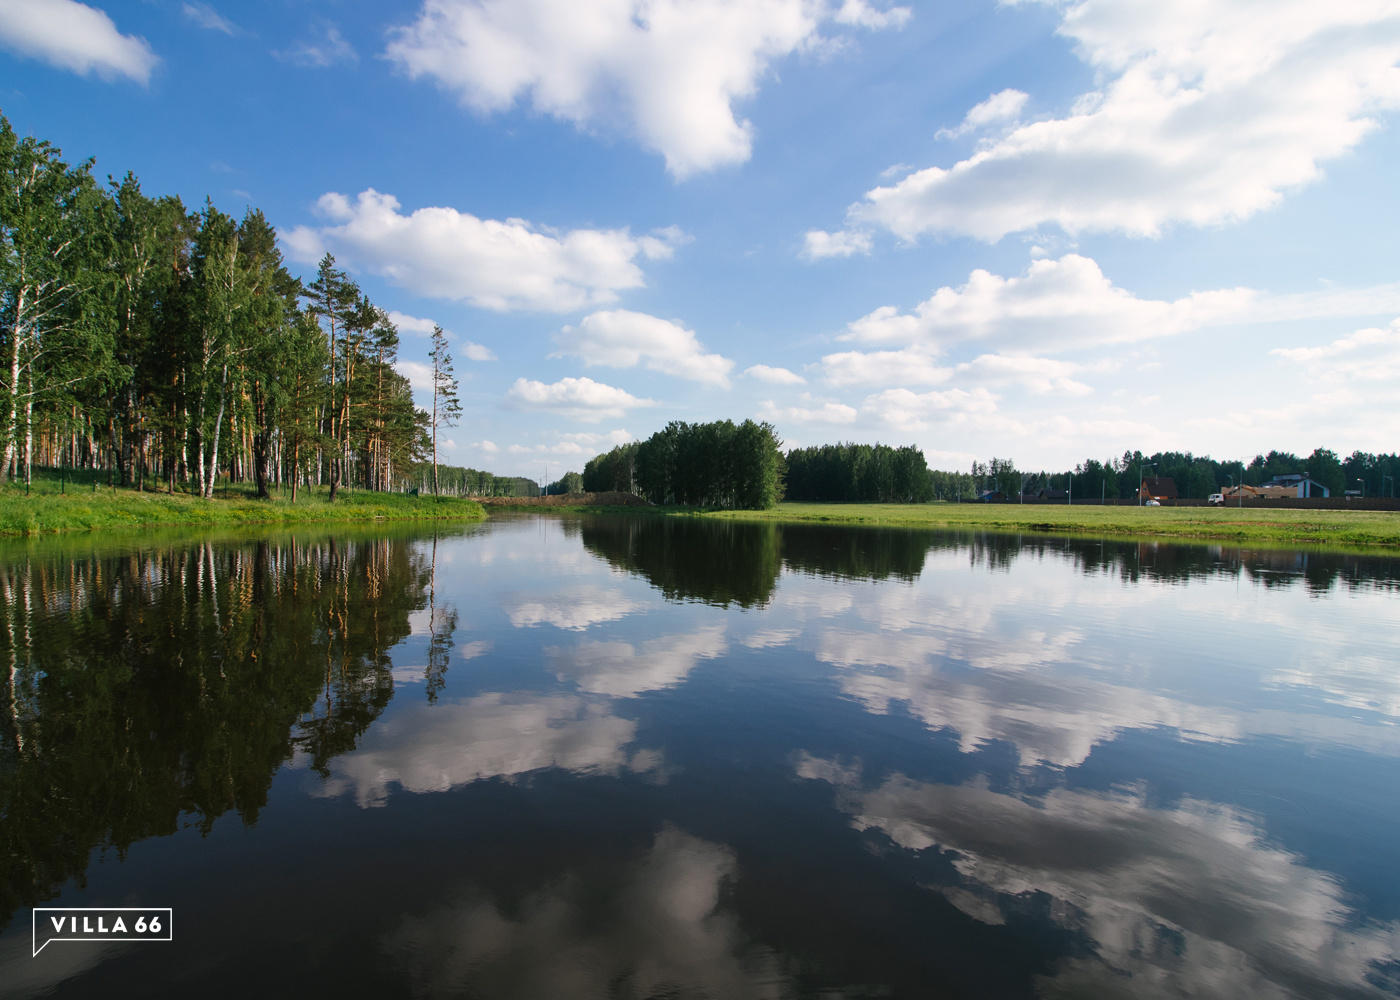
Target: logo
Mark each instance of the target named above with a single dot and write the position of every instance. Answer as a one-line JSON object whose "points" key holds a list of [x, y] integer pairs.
{"points": [[101, 923]]}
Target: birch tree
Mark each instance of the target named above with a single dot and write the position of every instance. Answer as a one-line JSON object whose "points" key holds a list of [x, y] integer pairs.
{"points": [[446, 407]]}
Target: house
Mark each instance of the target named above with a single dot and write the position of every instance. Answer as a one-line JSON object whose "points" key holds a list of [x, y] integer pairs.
{"points": [[1053, 495], [991, 496], [1157, 488], [1295, 484]]}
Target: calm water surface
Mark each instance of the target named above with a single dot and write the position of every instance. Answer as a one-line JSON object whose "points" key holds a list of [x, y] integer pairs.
{"points": [[570, 757]]}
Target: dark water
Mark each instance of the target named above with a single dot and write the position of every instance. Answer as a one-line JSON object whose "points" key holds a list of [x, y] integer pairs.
{"points": [[639, 758]]}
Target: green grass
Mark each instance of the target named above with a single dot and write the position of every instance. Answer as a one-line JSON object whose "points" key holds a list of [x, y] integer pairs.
{"points": [[1269, 526], [79, 508]]}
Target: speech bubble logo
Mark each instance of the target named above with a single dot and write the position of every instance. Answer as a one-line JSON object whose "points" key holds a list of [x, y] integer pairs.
{"points": [[101, 924]]}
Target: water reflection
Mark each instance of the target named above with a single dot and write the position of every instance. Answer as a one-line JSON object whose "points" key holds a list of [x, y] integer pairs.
{"points": [[164, 683], [1184, 900], [646, 756], [650, 928]]}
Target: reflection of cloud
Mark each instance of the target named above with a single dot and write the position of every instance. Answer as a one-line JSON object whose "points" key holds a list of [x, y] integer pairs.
{"points": [[425, 748], [1185, 901], [575, 609], [622, 670], [657, 931], [771, 637], [29, 976]]}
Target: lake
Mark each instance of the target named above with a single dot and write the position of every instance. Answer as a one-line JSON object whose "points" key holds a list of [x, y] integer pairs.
{"points": [[639, 757]]}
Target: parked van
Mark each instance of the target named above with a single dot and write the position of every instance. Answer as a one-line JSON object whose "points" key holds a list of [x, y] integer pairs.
{"points": [[1216, 498]]}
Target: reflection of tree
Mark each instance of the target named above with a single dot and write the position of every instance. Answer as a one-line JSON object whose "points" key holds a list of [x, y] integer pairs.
{"points": [[692, 559], [148, 685], [862, 553]]}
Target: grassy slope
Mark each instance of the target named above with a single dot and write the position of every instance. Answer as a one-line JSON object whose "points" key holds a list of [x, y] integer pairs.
{"points": [[1329, 527], [79, 508]]}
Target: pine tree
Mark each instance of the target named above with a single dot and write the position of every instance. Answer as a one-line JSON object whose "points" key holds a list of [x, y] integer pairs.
{"points": [[446, 407]]}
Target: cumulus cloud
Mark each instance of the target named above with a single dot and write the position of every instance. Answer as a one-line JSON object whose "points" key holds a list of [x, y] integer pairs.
{"points": [[1204, 115], [326, 47], [446, 254], [775, 376], [1070, 303], [419, 375], [813, 412], [1371, 355], [417, 327], [577, 398], [883, 368], [821, 244], [669, 71], [1000, 107], [75, 37], [906, 410], [619, 338]]}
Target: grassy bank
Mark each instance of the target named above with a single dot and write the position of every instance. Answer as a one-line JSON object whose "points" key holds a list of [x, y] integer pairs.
{"points": [[1327, 527], [78, 508]]}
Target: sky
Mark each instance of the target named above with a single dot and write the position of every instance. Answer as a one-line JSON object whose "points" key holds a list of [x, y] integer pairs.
{"points": [[1043, 230]]}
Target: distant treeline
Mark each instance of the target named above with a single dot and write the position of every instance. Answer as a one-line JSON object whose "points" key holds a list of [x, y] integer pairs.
{"points": [[720, 464], [860, 472], [1195, 476], [456, 481]]}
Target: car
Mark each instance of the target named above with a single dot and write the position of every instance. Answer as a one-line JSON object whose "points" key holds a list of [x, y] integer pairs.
{"points": [[1152, 503], [1216, 498]]}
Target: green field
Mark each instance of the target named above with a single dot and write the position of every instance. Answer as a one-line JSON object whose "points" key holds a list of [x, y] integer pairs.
{"points": [[79, 507], [1270, 526]]}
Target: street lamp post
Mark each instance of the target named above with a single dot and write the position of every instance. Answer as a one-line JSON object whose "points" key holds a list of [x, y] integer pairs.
{"points": [[1392, 486], [1363, 487], [1140, 478]]}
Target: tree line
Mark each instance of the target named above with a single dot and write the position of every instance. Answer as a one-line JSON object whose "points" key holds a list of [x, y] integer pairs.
{"points": [[171, 346], [1195, 476], [719, 464]]}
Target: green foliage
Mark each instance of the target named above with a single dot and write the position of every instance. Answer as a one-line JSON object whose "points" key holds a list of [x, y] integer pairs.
{"points": [[569, 482], [614, 472], [859, 472], [717, 465]]}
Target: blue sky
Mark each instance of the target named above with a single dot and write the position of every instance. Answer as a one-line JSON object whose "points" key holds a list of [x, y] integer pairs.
{"points": [[1042, 230]]}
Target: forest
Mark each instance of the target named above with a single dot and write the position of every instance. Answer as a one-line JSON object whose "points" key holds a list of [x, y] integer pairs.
{"points": [[170, 347], [720, 464]]}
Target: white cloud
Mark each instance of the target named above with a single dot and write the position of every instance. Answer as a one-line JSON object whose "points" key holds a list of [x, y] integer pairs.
{"points": [[489, 447], [419, 375], [815, 412], [775, 376], [76, 37], [905, 410], [620, 338], [577, 398], [1206, 113], [1369, 355], [417, 327], [1070, 303], [446, 254], [667, 70], [207, 17], [1003, 106], [883, 368], [821, 244], [325, 48]]}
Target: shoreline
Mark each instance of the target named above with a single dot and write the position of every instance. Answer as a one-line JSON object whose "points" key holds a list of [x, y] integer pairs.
{"points": [[79, 509]]}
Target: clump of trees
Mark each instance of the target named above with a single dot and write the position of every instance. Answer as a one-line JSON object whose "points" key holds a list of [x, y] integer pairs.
{"points": [[457, 481], [859, 472], [170, 346], [721, 464]]}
